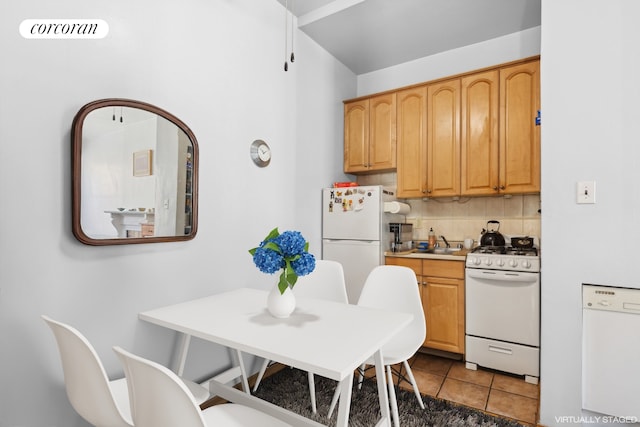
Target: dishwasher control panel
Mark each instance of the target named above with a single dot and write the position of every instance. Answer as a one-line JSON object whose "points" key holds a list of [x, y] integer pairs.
{"points": [[609, 298]]}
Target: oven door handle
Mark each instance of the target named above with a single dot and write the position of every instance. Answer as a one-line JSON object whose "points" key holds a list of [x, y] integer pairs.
{"points": [[502, 276], [502, 350]]}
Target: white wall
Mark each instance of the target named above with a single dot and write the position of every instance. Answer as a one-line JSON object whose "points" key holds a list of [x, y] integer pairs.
{"points": [[589, 68], [473, 57], [224, 78], [319, 142]]}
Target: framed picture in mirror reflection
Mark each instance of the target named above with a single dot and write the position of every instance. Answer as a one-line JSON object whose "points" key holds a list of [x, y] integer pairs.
{"points": [[142, 163]]}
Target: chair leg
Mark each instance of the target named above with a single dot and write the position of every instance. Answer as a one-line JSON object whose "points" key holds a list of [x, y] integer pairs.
{"points": [[334, 401], [312, 392], [392, 392], [393, 402], [265, 364], [413, 383], [361, 375]]}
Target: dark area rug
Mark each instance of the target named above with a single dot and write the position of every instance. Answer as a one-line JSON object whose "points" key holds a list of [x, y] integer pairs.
{"points": [[289, 388]]}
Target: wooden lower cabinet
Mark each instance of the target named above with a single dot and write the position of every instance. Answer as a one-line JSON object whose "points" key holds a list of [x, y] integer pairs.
{"points": [[443, 303], [442, 292]]}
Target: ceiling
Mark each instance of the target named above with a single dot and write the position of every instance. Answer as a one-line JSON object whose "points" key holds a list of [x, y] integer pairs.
{"points": [[368, 35]]}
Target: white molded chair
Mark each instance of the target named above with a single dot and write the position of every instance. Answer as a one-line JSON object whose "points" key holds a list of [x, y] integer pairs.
{"points": [[101, 402], [393, 287], [160, 399], [325, 282]]}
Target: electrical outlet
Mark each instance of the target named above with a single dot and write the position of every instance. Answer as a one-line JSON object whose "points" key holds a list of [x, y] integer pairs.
{"points": [[586, 192]]}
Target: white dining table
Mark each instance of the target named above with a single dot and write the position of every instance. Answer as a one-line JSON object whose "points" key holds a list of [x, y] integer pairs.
{"points": [[323, 337]]}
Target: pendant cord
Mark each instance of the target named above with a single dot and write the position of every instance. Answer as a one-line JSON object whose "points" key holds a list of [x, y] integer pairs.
{"points": [[293, 5], [286, 25]]}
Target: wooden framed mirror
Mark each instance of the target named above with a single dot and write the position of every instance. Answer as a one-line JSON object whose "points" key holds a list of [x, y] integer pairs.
{"points": [[134, 174]]}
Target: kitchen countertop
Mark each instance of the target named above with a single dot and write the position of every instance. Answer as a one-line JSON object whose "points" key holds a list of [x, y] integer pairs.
{"points": [[455, 256]]}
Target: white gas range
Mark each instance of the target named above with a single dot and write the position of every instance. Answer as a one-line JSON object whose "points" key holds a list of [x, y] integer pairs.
{"points": [[505, 258], [502, 310]]}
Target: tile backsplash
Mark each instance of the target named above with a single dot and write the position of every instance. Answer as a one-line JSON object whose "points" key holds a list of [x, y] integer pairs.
{"points": [[467, 216]]}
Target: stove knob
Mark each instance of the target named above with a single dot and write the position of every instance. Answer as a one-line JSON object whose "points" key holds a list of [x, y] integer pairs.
{"points": [[474, 261], [526, 264], [513, 263], [487, 261], [500, 262]]}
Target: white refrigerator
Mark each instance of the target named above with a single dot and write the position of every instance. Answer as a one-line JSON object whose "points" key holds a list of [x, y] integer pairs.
{"points": [[355, 231]]}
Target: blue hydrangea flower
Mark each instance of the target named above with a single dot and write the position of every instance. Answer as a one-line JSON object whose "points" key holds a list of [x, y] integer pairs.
{"points": [[291, 243], [268, 260], [287, 251], [304, 265]]}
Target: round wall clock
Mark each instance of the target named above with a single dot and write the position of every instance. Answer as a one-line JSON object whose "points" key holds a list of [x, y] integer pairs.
{"points": [[260, 153]]}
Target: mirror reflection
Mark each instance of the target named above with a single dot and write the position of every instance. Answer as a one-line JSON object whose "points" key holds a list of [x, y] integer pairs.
{"points": [[135, 170]]}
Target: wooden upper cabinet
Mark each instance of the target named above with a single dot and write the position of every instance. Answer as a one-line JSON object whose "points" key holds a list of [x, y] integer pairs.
{"points": [[473, 135], [412, 142], [519, 134], [443, 138], [370, 134], [429, 140], [479, 134], [356, 136], [382, 132], [500, 151]]}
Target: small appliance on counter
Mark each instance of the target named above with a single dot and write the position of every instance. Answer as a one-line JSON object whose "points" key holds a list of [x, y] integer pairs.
{"points": [[401, 236]]}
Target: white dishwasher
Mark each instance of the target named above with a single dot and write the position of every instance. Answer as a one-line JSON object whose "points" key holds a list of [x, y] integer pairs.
{"points": [[610, 350]]}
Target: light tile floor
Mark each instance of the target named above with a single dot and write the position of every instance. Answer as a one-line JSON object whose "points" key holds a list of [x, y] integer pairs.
{"points": [[492, 392]]}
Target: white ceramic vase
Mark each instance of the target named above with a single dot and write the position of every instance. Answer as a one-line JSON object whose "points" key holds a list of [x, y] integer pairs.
{"points": [[281, 305]]}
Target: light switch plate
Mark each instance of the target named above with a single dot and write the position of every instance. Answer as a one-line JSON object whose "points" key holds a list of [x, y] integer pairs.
{"points": [[586, 192]]}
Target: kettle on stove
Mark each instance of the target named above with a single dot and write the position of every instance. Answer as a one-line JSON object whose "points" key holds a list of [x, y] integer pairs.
{"points": [[492, 237]]}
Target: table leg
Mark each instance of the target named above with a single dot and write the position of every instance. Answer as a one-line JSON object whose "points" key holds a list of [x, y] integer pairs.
{"points": [[383, 397], [345, 386], [312, 391], [243, 372], [180, 353]]}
